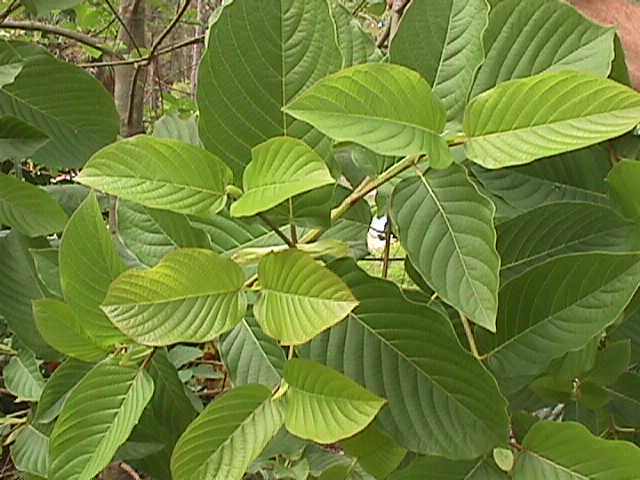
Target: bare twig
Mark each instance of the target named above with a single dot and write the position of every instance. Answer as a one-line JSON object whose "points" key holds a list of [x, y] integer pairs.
{"points": [[276, 230], [387, 248], [12, 7], [468, 331], [130, 471], [124, 25]]}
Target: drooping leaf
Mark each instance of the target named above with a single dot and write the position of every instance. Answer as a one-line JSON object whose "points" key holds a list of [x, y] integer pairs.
{"points": [[446, 227], [46, 261], [228, 435], [89, 263], [79, 118], [64, 331], [160, 173], [441, 400], [281, 48], [22, 376], [18, 139], [443, 42], [30, 452], [624, 180], [173, 127], [374, 105], [280, 169], [527, 38], [251, 356], [376, 452], [325, 406], [356, 45], [299, 297], [96, 419], [192, 295], [568, 450]]}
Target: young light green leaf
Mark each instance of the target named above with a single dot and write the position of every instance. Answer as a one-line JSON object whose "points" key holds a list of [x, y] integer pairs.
{"points": [[554, 450], [223, 441], [446, 227], [174, 127], [89, 263], [280, 169], [325, 406], [97, 418], [443, 42], [22, 376], [160, 173], [300, 298], [30, 452], [29, 209], [18, 139], [282, 47], [386, 108], [63, 330], [624, 181], [523, 120], [192, 295], [9, 72]]}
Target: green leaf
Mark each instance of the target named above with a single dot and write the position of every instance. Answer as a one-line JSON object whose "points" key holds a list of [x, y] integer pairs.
{"points": [[375, 106], [376, 452], [171, 126], [18, 139], [88, 264], [624, 180], [97, 418], [441, 400], [64, 331], [79, 118], [325, 406], [9, 72], [251, 356], [527, 38], [446, 227], [280, 169], [503, 458], [554, 315], [30, 452], [192, 295], [299, 298], [228, 435], [47, 268], [44, 7], [29, 209], [611, 362], [22, 376], [281, 48], [625, 400], [443, 42], [160, 173], [356, 45], [567, 450], [58, 388], [440, 468], [229, 235], [523, 120]]}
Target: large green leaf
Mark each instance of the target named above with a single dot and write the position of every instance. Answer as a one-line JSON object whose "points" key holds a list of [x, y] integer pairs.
{"points": [[443, 42], [441, 400], [624, 180], [96, 419], [88, 264], [375, 105], [356, 45], [18, 139], [79, 117], [228, 435], [527, 38], [556, 451], [251, 356], [376, 452], [523, 120], [325, 406], [64, 331], [22, 376], [440, 468], [558, 306], [446, 227], [160, 173], [280, 169], [299, 298], [281, 47], [192, 295], [30, 452]]}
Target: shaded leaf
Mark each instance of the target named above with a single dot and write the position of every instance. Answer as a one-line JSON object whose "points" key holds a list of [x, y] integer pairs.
{"points": [[624, 181], [18, 139], [22, 376], [30, 452]]}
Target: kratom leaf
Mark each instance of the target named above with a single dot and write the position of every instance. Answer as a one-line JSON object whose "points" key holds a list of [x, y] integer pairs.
{"points": [[376, 452], [30, 452], [46, 261], [19, 140], [64, 331], [568, 450], [299, 297], [192, 295], [625, 400], [624, 181], [435, 389], [173, 127], [355, 44], [88, 264], [9, 72], [228, 435], [527, 38], [229, 235], [446, 227], [325, 406], [160, 173], [22, 376], [374, 105], [96, 419], [443, 42], [280, 169], [29, 209], [440, 468], [523, 120], [281, 48]]}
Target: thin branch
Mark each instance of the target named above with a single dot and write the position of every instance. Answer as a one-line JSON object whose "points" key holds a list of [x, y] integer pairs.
{"points": [[376, 259], [124, 25], [468, 331], [276, 230], [129, 471], [359, 7], [387, 248], [294, 232], [55, 30], [12, 7]]}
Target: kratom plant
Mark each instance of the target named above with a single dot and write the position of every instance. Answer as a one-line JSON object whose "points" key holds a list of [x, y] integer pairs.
{"points": [[496, 138]]}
